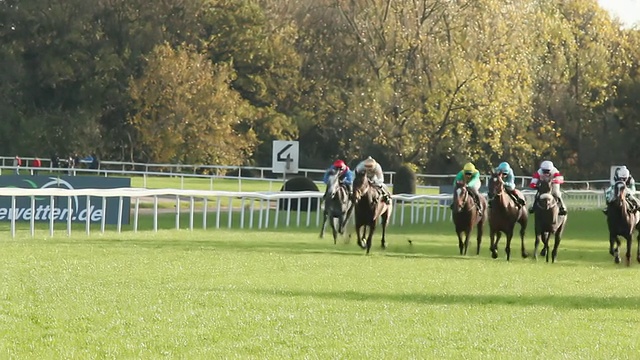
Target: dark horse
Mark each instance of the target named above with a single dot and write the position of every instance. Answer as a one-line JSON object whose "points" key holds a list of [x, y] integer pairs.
{"points": [[621, 223], [548, 222], [465, 216], [369, 207], [337, 206], [504, 214]]}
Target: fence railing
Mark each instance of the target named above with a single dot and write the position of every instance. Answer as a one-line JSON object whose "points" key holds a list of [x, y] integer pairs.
{"points": [[243, 210], [123, 168]]}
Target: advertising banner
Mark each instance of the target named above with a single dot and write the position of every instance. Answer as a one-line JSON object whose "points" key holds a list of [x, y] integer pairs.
{"points": [[60, 212]]}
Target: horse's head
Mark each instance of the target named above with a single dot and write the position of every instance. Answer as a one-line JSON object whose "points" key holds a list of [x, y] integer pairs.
{"points": [[496, 184], [620, 191], [546, 201], [360, 185], [543, 186], [460, 197], [332, 184]]}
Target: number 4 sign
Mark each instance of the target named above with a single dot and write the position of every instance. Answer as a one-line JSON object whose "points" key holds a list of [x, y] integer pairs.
{"points": [[285, 157]]}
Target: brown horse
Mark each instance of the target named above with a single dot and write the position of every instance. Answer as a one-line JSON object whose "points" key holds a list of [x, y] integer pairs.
{"points": [[547, 222], [369, 207], [466, 216], [504, 214], [621, 223]]}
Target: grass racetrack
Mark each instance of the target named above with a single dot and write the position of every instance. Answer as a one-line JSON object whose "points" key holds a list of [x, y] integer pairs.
{"points": [[282, 294]]}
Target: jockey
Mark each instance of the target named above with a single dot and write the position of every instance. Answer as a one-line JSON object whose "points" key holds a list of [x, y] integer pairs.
{"points": [[509, 182], [373, 171], [345, 176], [549, 172], [623, 174], [471, 176]]}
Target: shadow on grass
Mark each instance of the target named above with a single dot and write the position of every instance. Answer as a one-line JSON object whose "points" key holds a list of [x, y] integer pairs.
{"points": [[556, 301]]}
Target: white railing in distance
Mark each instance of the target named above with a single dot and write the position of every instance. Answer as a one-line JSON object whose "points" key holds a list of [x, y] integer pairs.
{"points": [[251, 210]]}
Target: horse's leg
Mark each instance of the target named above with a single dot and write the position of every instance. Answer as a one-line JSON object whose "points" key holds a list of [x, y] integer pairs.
{"points": [[360, 235], [611, 242], [334, 231], [638, 239], [523, 230], [324, 223], [536, 244], [346, 218], [494, 236], [556, 245], [385, 222], [616, 249], [460, 242], [479, 231], [629, 239], [547, 237], [507, 248], [467, 235], [363, 236], [372, 228]]}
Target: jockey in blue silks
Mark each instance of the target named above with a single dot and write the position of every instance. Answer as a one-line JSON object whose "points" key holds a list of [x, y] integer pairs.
{"points": [[345, 175], [509, 178]]}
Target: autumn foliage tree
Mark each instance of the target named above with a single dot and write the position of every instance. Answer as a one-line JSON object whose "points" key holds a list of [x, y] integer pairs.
{"points": [[187, 111]]}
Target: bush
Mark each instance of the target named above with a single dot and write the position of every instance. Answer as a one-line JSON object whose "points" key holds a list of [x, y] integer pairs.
{"points": [[299, 184], [404, 181]]}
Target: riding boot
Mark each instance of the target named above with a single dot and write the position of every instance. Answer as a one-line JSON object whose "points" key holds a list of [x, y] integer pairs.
{"points": [[387, 197], [515, 198], [634, 206], [532, 209], [562, 210], [478, 204], [606, 210]]}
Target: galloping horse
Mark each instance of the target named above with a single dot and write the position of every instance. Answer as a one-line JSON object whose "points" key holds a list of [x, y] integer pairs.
{"points": [[547, 221], [465, 216], [337, 206], [369, 207], [504, 214], [621, 223]]}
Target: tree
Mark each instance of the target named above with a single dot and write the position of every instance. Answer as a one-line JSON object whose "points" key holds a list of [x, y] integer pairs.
{"points": [[187, 111]]}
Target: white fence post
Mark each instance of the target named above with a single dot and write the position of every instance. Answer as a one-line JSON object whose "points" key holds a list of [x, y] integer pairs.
{"points": [[434, 205]]}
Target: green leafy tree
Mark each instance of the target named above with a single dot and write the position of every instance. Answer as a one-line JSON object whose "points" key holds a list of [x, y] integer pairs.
{"points": [[187, 111]]}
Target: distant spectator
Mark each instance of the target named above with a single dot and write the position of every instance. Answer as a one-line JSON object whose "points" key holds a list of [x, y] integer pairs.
{"points": [[95, 163], [36, 164], [71, 165], [17, 162], [55, 161]]}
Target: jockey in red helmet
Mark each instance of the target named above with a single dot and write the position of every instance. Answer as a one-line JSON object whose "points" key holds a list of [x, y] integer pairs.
{"points": [[345, 175]]}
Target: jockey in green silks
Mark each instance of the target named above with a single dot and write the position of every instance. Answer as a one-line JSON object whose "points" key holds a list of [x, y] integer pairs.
{"points": [[471, 177]]}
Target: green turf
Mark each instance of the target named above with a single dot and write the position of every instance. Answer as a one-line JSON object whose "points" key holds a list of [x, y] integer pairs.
{"points": [[287, 294]]}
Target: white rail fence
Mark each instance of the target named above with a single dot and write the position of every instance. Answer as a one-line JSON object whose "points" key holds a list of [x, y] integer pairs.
{"points": [[182, 171], [243, 210]]}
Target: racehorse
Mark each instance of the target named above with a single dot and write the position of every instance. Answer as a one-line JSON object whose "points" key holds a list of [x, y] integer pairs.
{"points": [[337, 206], [504, 214], [369, 207], [547, 221], [466, 216], [621, 223]]}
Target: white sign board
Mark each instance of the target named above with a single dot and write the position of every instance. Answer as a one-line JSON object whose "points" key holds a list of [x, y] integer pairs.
{"points": [[613, 172], [285, 156]]}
